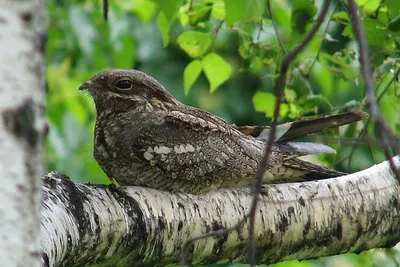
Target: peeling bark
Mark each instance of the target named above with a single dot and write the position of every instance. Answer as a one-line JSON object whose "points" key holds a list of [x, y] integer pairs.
{"points": [[22, 128], [134, 226]]}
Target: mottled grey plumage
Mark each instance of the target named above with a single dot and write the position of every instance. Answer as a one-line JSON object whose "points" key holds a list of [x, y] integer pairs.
{"points": [[145, 137]]}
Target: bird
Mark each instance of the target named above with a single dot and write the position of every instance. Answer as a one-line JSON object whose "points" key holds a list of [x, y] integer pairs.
{"points": [[145, 137]]}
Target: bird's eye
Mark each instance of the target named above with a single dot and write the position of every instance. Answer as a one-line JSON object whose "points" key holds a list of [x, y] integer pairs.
{"points": [[124, 84]]}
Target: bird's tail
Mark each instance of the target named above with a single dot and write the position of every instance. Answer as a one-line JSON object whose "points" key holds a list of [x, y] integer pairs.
{"points": [[289, 131]]}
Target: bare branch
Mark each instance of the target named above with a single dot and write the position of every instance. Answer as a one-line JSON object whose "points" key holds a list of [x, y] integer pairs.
{"points": [[279, 87], [383, 131]]}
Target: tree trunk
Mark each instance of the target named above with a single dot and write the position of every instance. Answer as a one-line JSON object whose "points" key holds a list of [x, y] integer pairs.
{"points": [[22, 127], [134, 226]]}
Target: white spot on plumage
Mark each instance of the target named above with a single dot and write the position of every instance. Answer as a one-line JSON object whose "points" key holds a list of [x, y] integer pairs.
{"points": [[190, 148], [184, 148], [147, 155], [162, 150]]}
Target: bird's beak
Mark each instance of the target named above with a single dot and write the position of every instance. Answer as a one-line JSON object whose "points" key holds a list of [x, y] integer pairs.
{"points": [[86, 85]]}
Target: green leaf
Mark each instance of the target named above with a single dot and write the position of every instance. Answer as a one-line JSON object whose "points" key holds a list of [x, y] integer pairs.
{"points": [[394, 24], [317, 103], [341, 17], [370, 6], [218, 10], [393, 7], [191, 73], [264, 102], [170, 8], [303, 12], [164, 27], [195, 44], [200, 13], [375, 31], [217, 70], [239, 10]]}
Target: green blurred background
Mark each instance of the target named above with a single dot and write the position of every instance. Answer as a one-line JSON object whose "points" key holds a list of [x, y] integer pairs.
{"points": [[224, 56]]}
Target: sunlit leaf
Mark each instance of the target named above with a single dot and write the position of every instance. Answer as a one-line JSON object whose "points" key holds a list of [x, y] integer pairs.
{"points": [[191, 73], [218, 10], [164, 27], [341, 16], [200, 13], [217, 70], [264, 102], [142, 8], [194, 43], [239, 10], [170, 8]]}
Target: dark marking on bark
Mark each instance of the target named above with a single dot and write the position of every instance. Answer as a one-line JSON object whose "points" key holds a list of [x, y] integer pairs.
{"points": [[26, 16], [283, 224], [218, 248], [3, 20], [180, 225], [76, 200], [138, 236], [161, 223], [180, 205], [45, 262], [339, 230], [196, 208], [42, 42], [206, 226], [307, 227], [97, 222], [20, 122], [69, 241], [290, 211], [302, 202], [394, 202], [362, 247]]}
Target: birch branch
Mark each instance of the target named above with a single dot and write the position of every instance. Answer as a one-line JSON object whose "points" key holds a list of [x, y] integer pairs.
{"points": [[86, 224]]}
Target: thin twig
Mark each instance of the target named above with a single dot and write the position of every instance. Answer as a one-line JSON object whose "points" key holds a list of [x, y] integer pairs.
{"points": [[364, 130], [275, 28], [105, 9], [325, 30], [279, 87], [383, 131]]}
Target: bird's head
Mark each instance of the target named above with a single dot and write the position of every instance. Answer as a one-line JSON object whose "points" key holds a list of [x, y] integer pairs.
{"points": [[122, 90]]}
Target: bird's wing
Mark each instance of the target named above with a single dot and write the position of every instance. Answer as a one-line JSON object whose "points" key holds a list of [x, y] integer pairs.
{"points": [[192, 144]]}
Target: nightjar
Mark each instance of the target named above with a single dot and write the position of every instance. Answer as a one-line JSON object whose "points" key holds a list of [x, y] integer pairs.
{"points": [[145, 137]]}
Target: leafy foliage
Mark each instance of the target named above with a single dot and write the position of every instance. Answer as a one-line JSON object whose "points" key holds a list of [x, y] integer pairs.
{"points": [[232, 49]]}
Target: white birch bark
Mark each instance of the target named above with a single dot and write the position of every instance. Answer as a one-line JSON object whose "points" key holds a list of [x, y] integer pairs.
{"points": [[22, 126], [134, 226]]}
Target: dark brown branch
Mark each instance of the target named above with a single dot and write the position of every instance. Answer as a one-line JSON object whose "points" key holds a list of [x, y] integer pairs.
{"points": [[105, 9], [383, 131], [279, 87]]}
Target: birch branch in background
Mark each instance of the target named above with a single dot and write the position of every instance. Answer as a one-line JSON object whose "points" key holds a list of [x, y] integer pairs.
{"points": [[22, 129], [83, 224]]}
